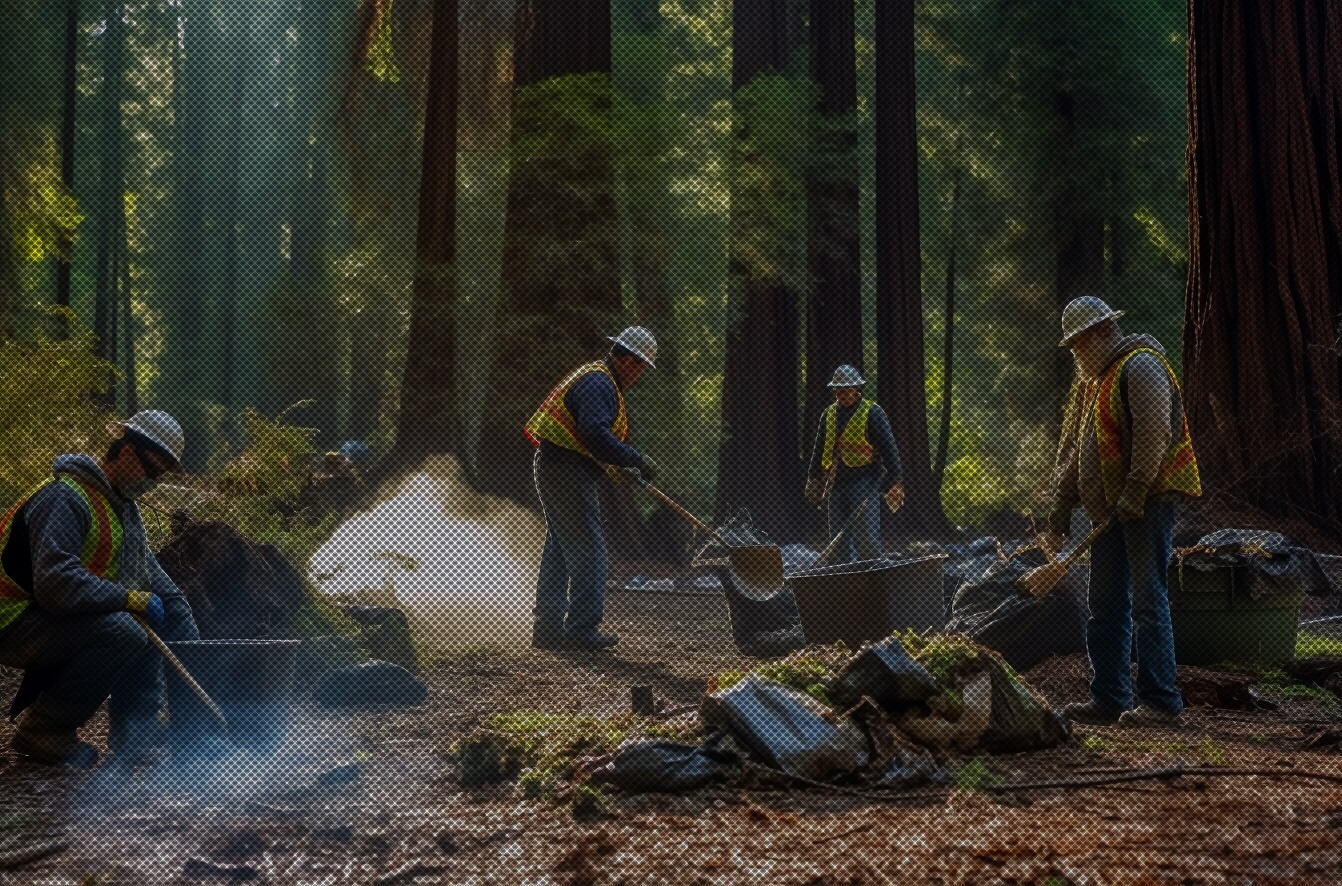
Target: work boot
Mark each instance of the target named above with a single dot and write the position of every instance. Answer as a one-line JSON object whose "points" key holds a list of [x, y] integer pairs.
{"points": [[1146, 714], [50, 744], [1092, 713], [594, 640]]}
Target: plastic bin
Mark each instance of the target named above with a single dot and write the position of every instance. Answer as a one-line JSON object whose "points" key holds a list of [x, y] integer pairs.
{"points": [[1216, 621], [869, 600], [250, 680]]}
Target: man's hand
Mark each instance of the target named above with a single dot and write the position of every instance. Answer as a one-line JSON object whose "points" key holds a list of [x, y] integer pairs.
{"points": [[146, 605], [1131, 504], [1051, 542], [1060, 519], [894, 497], [815, 491], [648, 469]]}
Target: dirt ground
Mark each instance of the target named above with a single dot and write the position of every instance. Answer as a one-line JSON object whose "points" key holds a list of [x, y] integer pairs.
{"points": [[404, 818]]}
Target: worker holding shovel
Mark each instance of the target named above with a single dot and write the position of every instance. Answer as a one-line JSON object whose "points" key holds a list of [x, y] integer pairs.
{"points": [[579, 432], [78, 583], [1125, 455], [855, 456]]}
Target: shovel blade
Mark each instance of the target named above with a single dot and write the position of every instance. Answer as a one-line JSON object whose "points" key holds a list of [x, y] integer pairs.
{"points": [[760, 566]]}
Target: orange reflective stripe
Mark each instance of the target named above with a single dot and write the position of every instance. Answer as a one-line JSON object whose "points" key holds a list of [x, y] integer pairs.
{"points": [[553, 422], [1178, 469]]}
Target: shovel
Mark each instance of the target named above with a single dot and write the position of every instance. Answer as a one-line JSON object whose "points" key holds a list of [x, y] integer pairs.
{"points": [[182, 672], [1040, 582], [828, 552], [760, 566]]}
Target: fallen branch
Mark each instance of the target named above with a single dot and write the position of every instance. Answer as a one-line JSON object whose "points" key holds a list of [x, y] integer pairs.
{"points": [[935, 793], [17, 857], [1168, 772]]}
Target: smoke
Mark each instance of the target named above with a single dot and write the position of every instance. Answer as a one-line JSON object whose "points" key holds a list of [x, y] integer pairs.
{"points": [[461, 565]]}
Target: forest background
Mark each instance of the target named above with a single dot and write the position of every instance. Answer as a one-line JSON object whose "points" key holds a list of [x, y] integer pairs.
{"points": [[236, 211]]}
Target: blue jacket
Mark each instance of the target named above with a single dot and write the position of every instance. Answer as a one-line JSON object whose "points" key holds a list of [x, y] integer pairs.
{"points": [[56, 522], [882, 439], [593, 402]]}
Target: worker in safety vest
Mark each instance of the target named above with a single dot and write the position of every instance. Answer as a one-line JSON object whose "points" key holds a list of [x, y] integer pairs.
{"points": [[855, 457], [75, 573], [1125, 455], [580, 431]]}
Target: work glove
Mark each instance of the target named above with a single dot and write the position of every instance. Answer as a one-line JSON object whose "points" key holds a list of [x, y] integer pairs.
{"points": [[648, 469], [1131, 504], [146, 605], [815, 491], [894, 497], [1060, 517]]}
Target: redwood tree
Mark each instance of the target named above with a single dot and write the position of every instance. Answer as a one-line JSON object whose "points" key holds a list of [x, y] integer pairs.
{"points": [[1265, 255], [899, 298], [427, 421], [560, 291], [759, 457], [833, 245]]}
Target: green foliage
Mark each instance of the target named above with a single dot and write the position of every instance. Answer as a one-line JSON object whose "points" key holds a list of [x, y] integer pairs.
{"points": [[48, 405], [1309, 645], [807, 670], [977, 773]]}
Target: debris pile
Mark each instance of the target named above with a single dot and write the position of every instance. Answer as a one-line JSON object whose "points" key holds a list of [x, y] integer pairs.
{"points": [[894, 714]]}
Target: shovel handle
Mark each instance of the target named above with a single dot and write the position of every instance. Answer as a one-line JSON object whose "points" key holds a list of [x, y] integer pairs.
{"points": [[1086, 542], [181, 669], [684, 514]]}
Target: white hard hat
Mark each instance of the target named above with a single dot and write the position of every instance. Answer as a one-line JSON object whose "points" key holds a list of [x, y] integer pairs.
{"points": [[847, 376], [158, 428], [1083, 313], [638, 341]]}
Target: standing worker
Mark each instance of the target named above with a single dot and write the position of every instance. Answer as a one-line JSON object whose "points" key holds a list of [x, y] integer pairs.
{"points": [[579, 431], [1125, 452], [854, 454], [75, 570]]}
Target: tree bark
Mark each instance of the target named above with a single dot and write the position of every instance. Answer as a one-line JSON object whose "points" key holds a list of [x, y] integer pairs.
{"points": [[759, 457], [1265, 256], [111, 206], [68, 98], [901, 365], [833, 247], [561, 293], [948, 353], [427, 421]]}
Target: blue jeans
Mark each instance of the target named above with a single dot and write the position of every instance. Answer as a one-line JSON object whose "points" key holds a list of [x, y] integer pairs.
{"points": [[92, 657], [1129, 588], [862, 541], [571, 584]]}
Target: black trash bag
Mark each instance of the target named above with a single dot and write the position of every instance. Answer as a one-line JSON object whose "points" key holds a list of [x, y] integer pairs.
{"points": [[886, 674], [994, 613], [1021, 720], [1273, 565], [373, 684], [968, 563], [788, 729], [666, 766], [386, 634]]}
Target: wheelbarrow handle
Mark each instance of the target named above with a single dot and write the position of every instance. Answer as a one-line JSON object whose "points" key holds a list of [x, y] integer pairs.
{"points": [[181, 669]]}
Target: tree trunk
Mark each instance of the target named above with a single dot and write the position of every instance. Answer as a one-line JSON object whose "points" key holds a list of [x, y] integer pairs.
{"points": [[901, 366], [428, 421], [68, 98], [759, 456], [948, 358], [131, 375], [833, 246], [561, 293], [111, 206], [1265, 256], [228, 368], [187, 379]]}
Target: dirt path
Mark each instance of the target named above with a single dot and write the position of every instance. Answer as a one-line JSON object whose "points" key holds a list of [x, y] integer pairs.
{"points": [[404, 819]]}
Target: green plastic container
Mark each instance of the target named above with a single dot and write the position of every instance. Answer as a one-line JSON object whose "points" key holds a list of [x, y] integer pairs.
{"points": [[1216, 621]]}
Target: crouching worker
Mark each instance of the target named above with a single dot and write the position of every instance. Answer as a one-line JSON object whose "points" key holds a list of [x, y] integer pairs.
{"points": [[76, 573]]}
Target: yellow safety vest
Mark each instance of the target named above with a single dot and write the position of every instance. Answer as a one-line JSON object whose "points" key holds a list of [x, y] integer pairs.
{"points": [[553, 421], [100, 554], [1179, 468], [854, 448]]}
